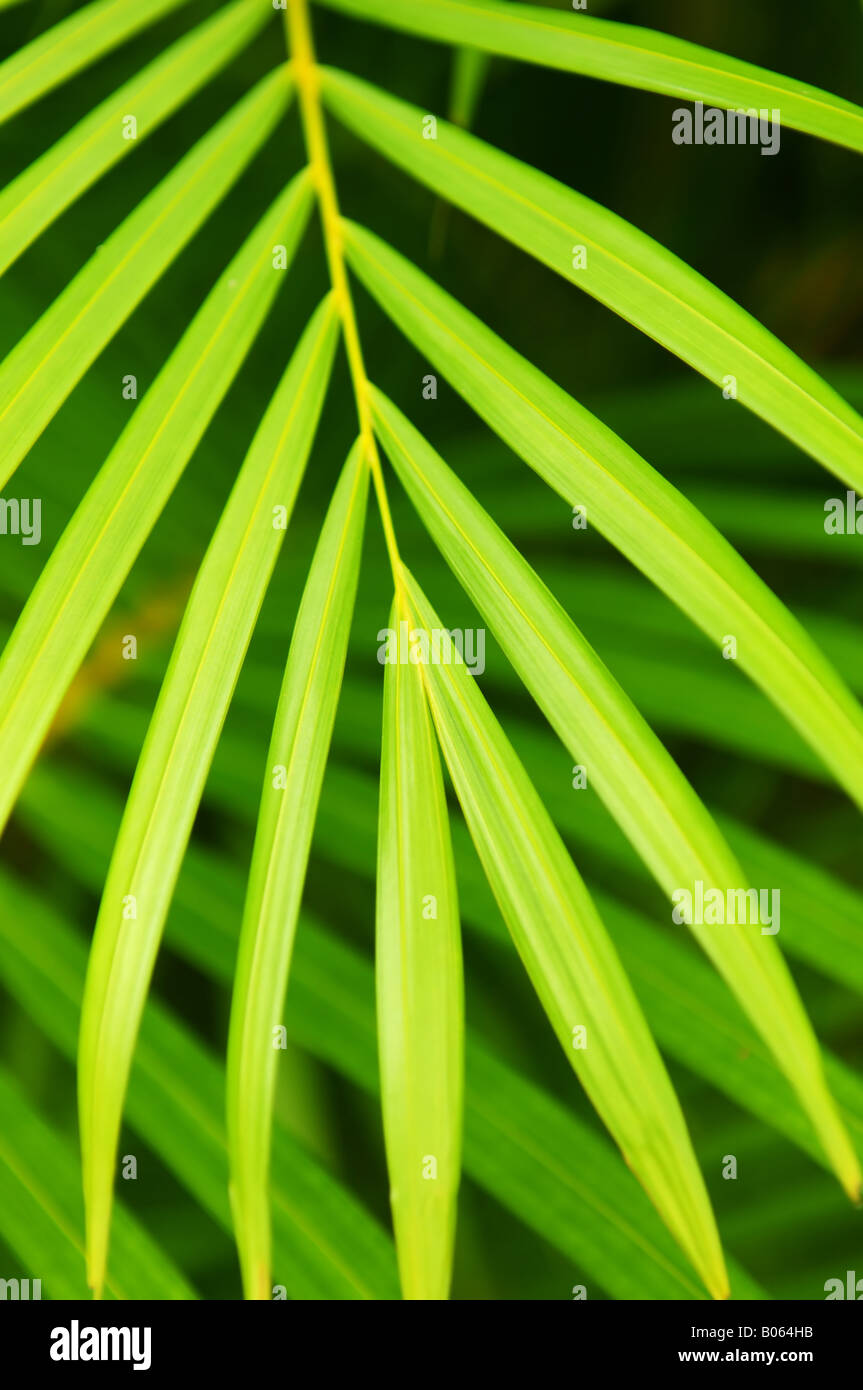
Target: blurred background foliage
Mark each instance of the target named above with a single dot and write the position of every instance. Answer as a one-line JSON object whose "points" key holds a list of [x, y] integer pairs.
{"points": [[781, 235]]}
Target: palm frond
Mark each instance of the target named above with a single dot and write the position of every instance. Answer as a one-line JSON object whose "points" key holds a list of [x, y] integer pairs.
{"points": [[351, 838], [50, 360]]}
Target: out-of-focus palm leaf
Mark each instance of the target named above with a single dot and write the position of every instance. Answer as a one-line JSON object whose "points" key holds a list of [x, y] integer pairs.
{"points": [[469, 74], [643, 515]]}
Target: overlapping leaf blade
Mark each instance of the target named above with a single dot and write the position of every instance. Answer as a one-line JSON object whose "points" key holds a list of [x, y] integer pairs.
{"points": [[623, 268], [295, 768], [629, 502], [38, 195], [570, 959], [48, 362], [83, 576], [641, 785], [182, 737], [469, 76], [623, 53], [653, 65], [71, 45], [420, 992], [327, 1246], [329, 986], [694, 1018], [519, 1140], [822, 918]]}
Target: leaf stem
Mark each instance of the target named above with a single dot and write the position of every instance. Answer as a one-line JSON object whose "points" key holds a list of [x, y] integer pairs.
{"points": [[305, 71]]}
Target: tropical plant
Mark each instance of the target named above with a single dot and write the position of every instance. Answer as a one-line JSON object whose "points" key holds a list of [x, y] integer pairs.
{"points": [[615, 987]]}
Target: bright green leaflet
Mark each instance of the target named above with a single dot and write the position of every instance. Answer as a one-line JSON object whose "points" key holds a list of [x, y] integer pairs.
{"points": [[625, 269], [571, 961], [294, 771], [81, 579], [172, 769], [38, 195], [641, 785], [41, 1216], [623, 53], [50, 360], [420, 990], [71, 45]]}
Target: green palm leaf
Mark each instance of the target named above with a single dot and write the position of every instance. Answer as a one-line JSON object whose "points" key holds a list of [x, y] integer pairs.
{"points": [[183, 733], [641, 785], [71, 45], [568, 956], [643, 515], [621, 53], [625, 269], [83, 576], [469, 76], [420, 992], [46, 364], [295, 768]]}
